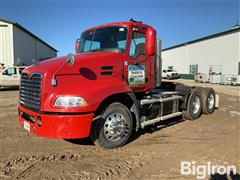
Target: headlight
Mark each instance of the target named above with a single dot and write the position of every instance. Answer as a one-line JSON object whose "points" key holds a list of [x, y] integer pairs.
{"points": [[70, 101]]}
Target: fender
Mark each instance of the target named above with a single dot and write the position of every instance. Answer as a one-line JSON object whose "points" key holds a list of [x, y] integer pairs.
{"points": [[135, 109]]}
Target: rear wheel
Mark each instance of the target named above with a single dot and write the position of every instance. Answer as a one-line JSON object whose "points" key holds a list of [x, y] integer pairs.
{"points": [[194, 106], [114, 127], [208, 99]]}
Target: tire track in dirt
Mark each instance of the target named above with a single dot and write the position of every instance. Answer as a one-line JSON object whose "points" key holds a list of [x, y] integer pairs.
{"points": [[19, 167], [115, 166]]}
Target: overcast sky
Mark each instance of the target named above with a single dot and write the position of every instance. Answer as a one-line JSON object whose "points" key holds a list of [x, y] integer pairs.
{"points": [[59, 23]]}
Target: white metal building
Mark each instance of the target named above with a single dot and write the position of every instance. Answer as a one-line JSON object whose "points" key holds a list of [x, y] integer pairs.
{"points": [[219, 52], [19, 46]]}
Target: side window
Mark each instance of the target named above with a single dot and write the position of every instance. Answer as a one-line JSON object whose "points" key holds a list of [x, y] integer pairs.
{"points": [[122, 44], [137, 44], [10, 71]]}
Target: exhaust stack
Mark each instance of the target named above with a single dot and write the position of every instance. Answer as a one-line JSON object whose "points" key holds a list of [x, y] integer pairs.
{"points": [[158, 63]]}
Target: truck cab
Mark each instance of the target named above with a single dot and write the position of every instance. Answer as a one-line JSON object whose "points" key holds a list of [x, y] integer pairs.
{"points": [[10, 76], [109, 88], [170, 74]]}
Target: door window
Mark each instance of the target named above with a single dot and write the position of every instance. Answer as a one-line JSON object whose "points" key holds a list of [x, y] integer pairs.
{"points": [[137, 44]]}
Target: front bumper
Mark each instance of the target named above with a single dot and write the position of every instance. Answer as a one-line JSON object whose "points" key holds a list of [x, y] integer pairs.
{"points": [[55, 125], [175, 76]]}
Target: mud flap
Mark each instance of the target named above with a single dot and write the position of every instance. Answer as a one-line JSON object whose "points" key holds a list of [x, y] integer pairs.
{"points": [[217, 99]]}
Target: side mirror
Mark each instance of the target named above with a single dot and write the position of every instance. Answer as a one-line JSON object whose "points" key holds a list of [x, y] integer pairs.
{"points": [[77, 45], [70, 59], [4, 72], [150, 42]]}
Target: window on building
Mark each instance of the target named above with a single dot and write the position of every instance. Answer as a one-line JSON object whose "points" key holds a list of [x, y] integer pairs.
{"points": [[193, 69]]}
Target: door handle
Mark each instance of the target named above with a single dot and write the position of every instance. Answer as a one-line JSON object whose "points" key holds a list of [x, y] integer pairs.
{"points": [[136, 63]]}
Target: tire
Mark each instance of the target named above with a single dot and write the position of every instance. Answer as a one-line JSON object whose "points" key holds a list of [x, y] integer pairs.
{"points": [[113, 128], [168, 77], [208, 99], [194, 106]]}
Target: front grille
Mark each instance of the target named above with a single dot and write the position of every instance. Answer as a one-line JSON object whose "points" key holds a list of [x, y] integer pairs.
{"points": [[30, 91]]}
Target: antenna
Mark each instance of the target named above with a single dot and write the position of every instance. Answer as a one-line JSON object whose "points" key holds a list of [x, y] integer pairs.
{"points": [[132, 20]]}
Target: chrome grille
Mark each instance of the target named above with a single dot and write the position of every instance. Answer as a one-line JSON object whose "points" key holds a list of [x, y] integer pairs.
{"points": [[30, 91]]}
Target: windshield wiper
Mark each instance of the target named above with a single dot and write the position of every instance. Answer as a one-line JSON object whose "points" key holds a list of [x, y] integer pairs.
{"points": [[95, 50], [92, 40], [107, 50]]}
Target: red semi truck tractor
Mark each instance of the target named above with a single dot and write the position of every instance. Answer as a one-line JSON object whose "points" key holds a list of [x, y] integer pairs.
{"points": [[109, 88]]}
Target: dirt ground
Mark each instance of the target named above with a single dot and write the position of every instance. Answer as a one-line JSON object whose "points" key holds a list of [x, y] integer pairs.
{"points": [[154, 153]]}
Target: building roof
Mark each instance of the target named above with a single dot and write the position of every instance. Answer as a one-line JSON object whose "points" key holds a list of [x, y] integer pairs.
{"points": [[234, 29], [28, 32]]}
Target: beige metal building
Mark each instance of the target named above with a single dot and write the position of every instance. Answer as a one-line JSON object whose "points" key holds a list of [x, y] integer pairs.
{"points": [[18, 46], [219, 53]]}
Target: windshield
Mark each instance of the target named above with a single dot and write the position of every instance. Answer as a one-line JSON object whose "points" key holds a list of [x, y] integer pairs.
{"points": [[109, 39]]}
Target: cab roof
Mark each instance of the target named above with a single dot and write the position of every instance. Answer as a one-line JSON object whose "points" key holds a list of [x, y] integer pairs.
{"points": [[128, 24]]}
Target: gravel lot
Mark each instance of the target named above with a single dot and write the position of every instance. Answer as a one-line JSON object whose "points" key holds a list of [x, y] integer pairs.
{"points": [[155, 153]]}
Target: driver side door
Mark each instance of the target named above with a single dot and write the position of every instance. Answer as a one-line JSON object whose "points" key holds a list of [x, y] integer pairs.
{"points": [[138, 69]]}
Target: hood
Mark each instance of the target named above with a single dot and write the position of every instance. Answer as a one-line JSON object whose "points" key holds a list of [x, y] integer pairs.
{"points": [[85, 78], [87, 60]]}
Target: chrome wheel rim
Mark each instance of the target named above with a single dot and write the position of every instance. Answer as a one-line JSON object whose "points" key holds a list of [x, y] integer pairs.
{"points": [[116, 127], [196, 105], [210, 101]]}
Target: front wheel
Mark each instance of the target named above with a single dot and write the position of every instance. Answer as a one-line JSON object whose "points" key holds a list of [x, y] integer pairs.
{"points": [[113, 128]]}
